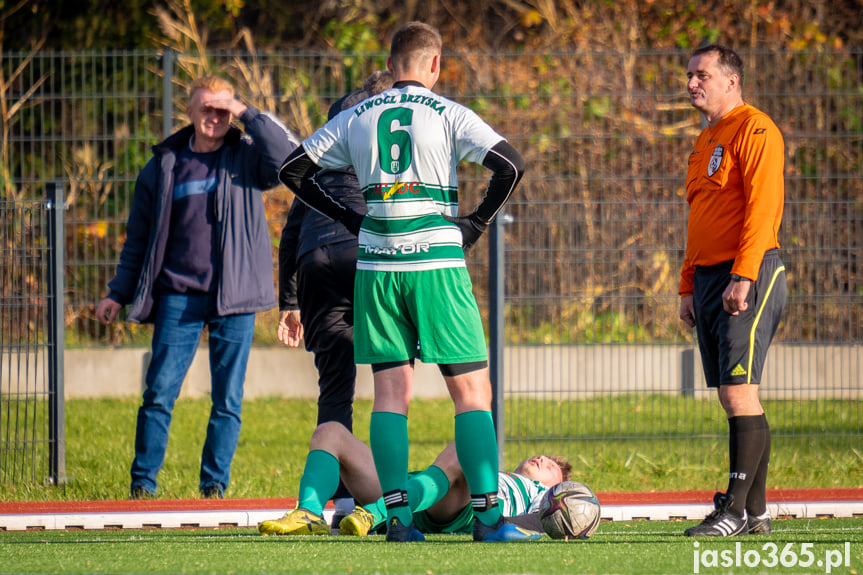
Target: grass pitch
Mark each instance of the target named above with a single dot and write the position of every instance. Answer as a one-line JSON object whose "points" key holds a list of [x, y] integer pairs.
{"points": [[640, 547], [274, 441]]}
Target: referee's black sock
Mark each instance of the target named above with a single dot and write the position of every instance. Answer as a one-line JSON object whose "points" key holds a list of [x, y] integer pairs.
{"points": [[748, 437], [756, 502]]}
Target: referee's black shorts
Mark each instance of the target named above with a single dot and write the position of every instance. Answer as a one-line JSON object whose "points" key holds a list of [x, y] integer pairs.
{"points": [[733, 348]]}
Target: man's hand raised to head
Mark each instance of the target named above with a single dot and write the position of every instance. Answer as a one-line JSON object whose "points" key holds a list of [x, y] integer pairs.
{"points": [[231, 105]]}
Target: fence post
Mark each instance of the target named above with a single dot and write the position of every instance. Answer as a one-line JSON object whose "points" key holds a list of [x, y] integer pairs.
{"points": [[56, 205], [495, 325], [687, 372], [168, 92]]}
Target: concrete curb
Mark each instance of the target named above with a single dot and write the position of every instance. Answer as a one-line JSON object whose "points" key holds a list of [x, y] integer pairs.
{"points": [[240, 513]]}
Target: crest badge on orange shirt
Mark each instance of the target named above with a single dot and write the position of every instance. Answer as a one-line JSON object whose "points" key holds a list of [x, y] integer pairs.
{"points": [[715, 160]]}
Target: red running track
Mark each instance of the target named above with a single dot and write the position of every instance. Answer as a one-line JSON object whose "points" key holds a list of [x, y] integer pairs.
{"points": [[630, 498]]}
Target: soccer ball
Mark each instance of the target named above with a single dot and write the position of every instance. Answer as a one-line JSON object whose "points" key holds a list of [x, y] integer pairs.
{"points": [[569, 510]]}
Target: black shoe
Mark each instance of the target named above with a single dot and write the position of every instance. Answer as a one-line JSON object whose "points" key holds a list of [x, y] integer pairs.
{"points": [[211, 492], [139, 492], [759, 525], [720, 522], [397, 531]]}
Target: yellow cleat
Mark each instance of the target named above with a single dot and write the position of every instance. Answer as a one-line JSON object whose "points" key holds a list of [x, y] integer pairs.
{"points": [[358, 522], [296, 522]]}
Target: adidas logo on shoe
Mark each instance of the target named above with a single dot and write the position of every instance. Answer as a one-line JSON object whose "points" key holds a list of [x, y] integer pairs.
{"points": [[721, 522]]}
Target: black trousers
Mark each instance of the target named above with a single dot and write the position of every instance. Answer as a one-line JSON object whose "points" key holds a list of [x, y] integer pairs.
{"points": [[325, 289]]}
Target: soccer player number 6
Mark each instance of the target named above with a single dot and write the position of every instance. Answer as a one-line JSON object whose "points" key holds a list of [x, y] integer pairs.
{"points": [[394, 142]]}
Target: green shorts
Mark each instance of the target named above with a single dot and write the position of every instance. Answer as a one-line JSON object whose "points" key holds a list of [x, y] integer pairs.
{"points": [[430, 315], [461, 523]]}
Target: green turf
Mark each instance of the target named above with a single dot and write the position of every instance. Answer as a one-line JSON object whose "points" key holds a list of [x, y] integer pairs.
{"points": [[639, 547], [820, 449]]}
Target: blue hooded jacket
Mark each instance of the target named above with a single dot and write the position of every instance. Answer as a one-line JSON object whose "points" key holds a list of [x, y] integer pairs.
{"points": [[248, 166]]}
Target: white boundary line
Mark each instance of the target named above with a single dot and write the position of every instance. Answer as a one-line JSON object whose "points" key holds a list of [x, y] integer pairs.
{"points": [[690, 511], [251, 518]]}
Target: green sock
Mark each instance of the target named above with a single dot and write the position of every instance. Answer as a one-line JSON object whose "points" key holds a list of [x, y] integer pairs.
{"points": [[388, 437], [424, 490], [378, 511], [476, 446], [427, 487], [319, 481]]}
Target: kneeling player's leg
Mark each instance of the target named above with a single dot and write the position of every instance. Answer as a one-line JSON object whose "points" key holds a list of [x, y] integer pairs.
{"points": [[321, 473], [428, 489], [354, 459], [441, 484]]}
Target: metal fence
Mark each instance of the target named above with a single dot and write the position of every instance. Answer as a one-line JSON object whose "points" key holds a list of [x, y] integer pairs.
{"points": [[32, 410], [592, 347]]}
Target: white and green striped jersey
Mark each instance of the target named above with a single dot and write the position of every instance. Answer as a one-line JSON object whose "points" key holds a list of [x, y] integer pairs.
{"points": [[405, 144], [518, 494]]}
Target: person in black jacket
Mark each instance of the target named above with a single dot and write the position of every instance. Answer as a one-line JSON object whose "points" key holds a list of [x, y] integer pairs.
{"points": [[317, 264], [197, 254]]}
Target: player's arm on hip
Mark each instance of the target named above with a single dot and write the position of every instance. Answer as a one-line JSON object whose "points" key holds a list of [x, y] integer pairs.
{"points": [[507, 168]]}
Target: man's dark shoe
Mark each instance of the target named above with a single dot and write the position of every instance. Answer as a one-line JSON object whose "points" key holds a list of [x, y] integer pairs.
{"points": [[721, 522], [139, 492], [759, 525], [397, 531], [211, 492]]}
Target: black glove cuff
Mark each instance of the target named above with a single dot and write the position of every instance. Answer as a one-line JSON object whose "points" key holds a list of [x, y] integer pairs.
{"points": [[477, 223]]}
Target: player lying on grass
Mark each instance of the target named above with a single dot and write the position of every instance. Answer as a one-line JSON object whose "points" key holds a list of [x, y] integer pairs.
{"points": [[438, 496]]}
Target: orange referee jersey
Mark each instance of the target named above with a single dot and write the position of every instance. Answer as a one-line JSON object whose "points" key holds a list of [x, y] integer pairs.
{"points": [[736, 191]]}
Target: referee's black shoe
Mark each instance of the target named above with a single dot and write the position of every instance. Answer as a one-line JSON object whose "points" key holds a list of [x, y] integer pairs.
{"points": [[721, 522], [758, 524]]}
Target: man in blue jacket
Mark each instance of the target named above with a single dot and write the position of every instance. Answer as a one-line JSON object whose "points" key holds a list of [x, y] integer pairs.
{"points": [[197, 253]]}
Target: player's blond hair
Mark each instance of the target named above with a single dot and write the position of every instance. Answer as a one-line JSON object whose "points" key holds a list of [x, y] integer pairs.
{"points": [[413, 43], [211, 83]]}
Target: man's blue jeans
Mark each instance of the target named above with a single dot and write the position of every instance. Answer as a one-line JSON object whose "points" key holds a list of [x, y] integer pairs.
{"points": [[180, 320]]}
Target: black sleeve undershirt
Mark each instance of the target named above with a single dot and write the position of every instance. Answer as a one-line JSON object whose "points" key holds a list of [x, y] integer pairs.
{"points": [[507, 168], [299, 167]]}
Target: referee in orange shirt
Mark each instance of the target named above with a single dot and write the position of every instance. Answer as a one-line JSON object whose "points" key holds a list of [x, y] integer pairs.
{"points": [[732, 285]]}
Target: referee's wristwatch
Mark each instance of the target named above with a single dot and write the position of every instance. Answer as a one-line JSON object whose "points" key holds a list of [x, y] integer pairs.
{"points": [[737, 278]]}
